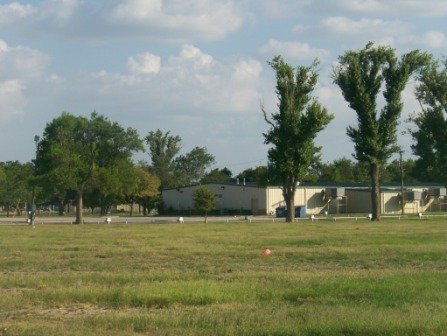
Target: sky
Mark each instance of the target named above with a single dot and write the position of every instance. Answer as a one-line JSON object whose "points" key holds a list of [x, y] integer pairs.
{"points": [[196, 68]]}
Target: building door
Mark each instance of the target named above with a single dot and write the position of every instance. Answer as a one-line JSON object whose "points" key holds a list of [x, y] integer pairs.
{"points": [[254, 206]]}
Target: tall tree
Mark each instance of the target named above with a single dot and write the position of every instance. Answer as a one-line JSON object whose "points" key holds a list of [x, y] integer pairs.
{"points": [[163, 147], [294, 127], [74, 150], [431, 132], [361, 75], [191, 167], [172, 169]]}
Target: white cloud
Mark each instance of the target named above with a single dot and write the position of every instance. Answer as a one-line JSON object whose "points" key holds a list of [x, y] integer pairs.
{"points": [[177, 19], [385, 7], [12, 100], [144, 64], [21, 62], [138, 10], [174, 20], [247, 71], [196, 56], [413, 8], [295, 51], [192, 82], [19, 67], [3, 46], [209, 85], [367, 28], [434, 40], [14, 11], [61, 11], [365, 6], [49, 14]]}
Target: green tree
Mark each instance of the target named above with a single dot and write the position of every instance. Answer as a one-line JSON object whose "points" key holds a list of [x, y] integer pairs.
{"points": [[2, 181], [191, 167], [163, 147], [217, 175], [261, 175], [294, 127], [431, 133], [172, 169], [146, 192], [74, 151], [361, 75], [204, 200], [15, 185], [342, 171], [110, 185], [393, 172]]}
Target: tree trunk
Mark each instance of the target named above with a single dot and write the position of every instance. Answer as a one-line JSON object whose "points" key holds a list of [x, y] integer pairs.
{"points": [[289, 197], [290, 205], [61, 208], [18, 211], [79, 206], [131, 209], [375, 192]]}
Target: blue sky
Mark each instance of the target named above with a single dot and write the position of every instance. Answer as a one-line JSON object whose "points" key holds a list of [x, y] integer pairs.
{"points": [[195, 68]]}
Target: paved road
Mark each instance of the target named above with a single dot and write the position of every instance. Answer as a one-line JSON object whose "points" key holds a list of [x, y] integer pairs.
{"points": [[129, 220]]}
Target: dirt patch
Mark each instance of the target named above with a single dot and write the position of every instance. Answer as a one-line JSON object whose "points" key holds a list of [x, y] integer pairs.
{"points": [[53, 313]]}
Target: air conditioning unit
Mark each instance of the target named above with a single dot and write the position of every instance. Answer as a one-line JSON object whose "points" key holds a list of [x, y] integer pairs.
{"points": [[335, 192], [413, 196], [437, 192]]}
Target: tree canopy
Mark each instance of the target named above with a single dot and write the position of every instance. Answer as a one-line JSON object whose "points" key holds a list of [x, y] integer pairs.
{"points": [[361, 75], [203, 200], [294, 127], [15, 186], [74, 151], [163, 147], [176, 170], [191, 167], [431, 133], [217, 175]]}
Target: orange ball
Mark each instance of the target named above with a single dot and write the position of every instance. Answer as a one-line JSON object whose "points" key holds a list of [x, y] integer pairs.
{"points": [[267, 252]]}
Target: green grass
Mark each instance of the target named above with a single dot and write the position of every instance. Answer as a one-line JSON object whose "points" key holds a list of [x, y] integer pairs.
{"points": [[323, 278]]}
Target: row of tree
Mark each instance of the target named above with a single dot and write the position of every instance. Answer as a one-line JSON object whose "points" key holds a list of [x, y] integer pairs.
{"points": [[89, 161], [339, 171], [361, 75], [139, 184]]}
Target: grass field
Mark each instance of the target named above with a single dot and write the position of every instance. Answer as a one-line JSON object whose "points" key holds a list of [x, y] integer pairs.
{"points": [[322, 278]]}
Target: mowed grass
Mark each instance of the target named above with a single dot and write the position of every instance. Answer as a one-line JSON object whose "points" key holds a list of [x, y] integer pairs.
{"points": [[322, 278]]}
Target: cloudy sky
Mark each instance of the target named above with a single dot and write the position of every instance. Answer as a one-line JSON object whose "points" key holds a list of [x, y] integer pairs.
{"points": [[196, 68]]}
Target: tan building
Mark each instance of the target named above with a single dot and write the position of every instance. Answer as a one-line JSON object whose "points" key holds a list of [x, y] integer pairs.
{"points": [[316, 198], [417, 199]]}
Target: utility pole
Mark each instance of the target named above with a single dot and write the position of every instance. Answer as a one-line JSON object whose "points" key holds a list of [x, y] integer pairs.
{"points": [[402, 195]]}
